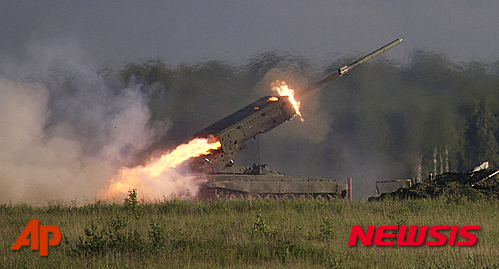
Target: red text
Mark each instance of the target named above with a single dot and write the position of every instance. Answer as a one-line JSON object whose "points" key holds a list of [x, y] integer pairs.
{"points": [[409, 236], [43, 242]]}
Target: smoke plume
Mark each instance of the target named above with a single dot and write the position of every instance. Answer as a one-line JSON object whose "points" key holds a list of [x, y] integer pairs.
{"points": [[65, 129]]}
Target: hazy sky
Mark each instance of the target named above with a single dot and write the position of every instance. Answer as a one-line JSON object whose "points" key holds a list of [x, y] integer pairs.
{"points": [[191, 31]]}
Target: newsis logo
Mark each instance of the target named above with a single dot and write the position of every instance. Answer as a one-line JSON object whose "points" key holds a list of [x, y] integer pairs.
{"points": [[404, 236], [41, 242]]}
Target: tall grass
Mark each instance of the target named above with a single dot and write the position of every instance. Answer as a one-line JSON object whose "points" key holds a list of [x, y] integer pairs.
{"points": [[251, 234]]}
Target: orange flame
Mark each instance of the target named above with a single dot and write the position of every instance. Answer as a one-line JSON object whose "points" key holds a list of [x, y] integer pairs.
{"points": [[283, 90], [139, 177]]}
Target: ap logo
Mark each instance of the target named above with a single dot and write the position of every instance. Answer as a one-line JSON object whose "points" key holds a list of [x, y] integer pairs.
{"points": [[41, 242]]}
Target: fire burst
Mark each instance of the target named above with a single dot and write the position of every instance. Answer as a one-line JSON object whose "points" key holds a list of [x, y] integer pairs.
{"points": [[283, 90], [139, 177]]}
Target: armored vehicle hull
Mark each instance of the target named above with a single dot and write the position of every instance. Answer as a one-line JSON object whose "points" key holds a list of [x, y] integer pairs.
{"points": [[242, 187], [258, 182]]}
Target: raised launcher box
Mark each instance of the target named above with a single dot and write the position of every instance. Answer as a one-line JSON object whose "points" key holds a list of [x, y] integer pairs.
{"points": [[234, 130]]}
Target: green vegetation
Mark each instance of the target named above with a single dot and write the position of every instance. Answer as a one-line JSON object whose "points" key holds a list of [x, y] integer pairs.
{"points": [[249, 234]]}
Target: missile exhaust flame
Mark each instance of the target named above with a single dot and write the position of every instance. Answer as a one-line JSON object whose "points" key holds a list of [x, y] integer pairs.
{"points": [[140, 177]]}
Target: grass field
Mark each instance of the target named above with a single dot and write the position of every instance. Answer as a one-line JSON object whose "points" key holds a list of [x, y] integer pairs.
{"points": [[249, 234]]}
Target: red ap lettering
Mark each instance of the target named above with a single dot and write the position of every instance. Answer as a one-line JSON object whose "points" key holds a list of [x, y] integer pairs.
{"points": [[41, 242]]}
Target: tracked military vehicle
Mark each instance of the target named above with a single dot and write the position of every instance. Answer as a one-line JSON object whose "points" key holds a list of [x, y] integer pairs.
{"points": [[228, 180], [231, 181]]}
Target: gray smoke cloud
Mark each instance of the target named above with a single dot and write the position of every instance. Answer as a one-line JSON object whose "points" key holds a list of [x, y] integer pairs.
{"points": [[65, 130]]}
